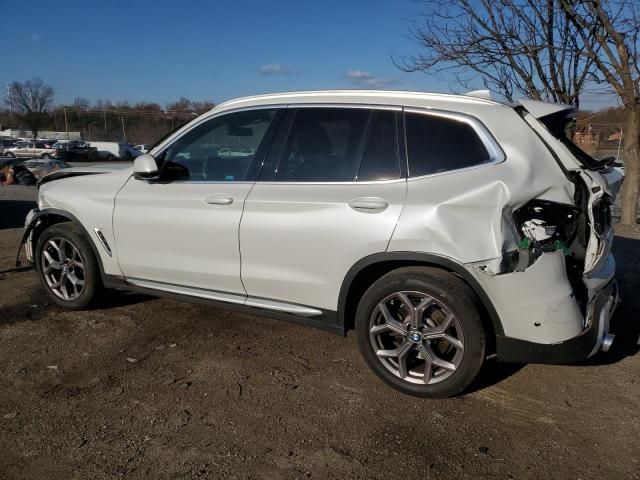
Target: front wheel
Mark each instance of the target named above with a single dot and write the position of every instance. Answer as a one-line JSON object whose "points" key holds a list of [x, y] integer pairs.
{"points": [[419, 329], [45, 156], [66, 265], [10, 155]]}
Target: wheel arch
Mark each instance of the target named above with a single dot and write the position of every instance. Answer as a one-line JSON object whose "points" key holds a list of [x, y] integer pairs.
{"points": [[369, 269], [52, 216]]}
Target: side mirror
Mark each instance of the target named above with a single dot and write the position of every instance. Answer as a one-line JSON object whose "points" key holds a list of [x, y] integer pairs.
{"points": [[145, 167]]}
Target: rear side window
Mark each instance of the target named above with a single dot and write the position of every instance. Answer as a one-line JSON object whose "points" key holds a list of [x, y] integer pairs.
{"points": [[323, 145], [436, 144]]}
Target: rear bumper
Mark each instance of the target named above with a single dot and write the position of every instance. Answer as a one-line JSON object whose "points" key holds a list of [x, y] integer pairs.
{"points": [[580, 347]]}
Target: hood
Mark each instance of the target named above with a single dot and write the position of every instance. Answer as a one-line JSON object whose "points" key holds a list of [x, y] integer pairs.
{"points": [[78, 171]]}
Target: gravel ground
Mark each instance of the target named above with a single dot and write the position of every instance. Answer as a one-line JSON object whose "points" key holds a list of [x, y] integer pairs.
{"points": [[153, 388]]}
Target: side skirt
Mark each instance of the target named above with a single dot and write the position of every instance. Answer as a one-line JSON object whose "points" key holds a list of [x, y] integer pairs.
{"points": [[324, 320]]}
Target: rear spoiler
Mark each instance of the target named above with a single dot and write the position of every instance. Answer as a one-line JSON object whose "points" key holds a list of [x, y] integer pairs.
{"points": [[543, 109]]}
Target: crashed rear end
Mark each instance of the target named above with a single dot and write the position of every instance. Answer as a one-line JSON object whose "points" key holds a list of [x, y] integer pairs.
{"points": [[534, 230], [562, 272]]}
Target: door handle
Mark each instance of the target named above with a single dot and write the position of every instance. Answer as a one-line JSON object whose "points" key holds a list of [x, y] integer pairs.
{"points": [[369, 204], [218, 200]]}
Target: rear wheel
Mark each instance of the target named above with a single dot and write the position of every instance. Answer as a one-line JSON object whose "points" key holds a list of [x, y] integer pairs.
{"points": [[66, 265], [10, 155], [45, 156], [419, 329]]}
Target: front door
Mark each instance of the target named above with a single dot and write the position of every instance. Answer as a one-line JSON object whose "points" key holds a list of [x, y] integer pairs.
{"points": [[182, 231]]}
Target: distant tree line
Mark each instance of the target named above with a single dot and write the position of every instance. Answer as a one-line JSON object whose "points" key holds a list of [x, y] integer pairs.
{"points": [[29, 107]]}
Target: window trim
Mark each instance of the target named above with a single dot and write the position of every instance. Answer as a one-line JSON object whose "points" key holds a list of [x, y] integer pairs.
{"points": [[496, 154], [280, 141]]}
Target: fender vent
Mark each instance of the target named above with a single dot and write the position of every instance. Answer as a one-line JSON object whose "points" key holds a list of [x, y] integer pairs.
{"points": [[103, 240]]}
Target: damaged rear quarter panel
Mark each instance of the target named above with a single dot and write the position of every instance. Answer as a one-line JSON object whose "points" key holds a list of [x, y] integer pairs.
{"points": [[467, 215], [538, 303], [459, 214]]}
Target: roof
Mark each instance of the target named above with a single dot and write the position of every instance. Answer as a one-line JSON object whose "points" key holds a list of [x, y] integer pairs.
{"points": [[375, 97]]}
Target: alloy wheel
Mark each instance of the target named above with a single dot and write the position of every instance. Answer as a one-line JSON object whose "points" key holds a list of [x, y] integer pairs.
{"points": [[416, 337], [63, 268]]}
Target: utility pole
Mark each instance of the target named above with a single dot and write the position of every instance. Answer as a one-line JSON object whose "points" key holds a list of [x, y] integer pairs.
{"points": [[104, 115], [124, 133], [66, 125], [10, 100], [619, 145]]}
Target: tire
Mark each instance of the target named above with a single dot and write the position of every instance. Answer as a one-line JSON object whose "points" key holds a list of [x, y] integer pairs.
{"points": [[45, 156], [449, 331], [81, 281], [10, 155]]}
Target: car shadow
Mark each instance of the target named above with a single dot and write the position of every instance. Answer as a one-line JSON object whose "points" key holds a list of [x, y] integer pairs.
{"points": [[492, 373], [38, 305], [13, 213], [118, 298]]}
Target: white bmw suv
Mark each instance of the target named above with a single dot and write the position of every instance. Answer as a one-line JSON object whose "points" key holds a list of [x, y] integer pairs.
{"points": [[442, 229]]}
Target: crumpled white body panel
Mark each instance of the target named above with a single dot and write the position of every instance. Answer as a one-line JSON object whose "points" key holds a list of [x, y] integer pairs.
{"points": [[466, 214]]}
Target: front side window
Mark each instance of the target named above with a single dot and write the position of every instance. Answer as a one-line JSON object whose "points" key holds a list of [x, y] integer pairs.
{"points": [[437, 144], [221, 149], [323, 145]]}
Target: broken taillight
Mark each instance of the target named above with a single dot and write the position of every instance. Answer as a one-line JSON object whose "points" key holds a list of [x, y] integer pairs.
{"points": [[548, 225], [544, 226]]}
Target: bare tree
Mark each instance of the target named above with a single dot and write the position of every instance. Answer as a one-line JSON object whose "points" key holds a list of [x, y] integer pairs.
{"points": [[201, 107], [541, 49], [30, 101], [80, 103], [512, 47], [614, 27], [182, 105]]}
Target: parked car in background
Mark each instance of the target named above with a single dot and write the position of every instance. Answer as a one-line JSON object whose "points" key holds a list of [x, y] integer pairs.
{"points": [[47, 141], [142, 148], [443, 229], [74, 150], [5, 144], [40, 168], [31, 149], [115, 150]]}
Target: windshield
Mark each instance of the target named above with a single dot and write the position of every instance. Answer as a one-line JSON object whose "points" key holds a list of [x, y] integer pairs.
{"points": [[562, 126]]}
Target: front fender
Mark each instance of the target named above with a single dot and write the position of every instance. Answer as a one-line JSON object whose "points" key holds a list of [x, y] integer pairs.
{"points": [[37, 220]]}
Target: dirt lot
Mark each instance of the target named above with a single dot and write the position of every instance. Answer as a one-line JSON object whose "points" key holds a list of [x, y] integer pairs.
{"points": [[151, 388]]}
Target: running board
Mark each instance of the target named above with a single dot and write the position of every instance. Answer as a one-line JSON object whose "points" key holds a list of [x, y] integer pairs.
{"points": [[236, 299]]}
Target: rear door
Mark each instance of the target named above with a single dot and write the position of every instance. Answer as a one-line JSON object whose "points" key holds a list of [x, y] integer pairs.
{"points": [[329, 194]]}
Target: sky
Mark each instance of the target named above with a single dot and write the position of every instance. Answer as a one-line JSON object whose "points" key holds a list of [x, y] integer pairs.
{"points": [[159, 51]]}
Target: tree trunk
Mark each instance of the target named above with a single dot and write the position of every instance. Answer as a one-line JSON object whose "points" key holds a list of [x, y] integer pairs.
{"points": [[631, 185]]}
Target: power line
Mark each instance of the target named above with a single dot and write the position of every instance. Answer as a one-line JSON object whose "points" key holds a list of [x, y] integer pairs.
{"points": [[132, 111]]}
